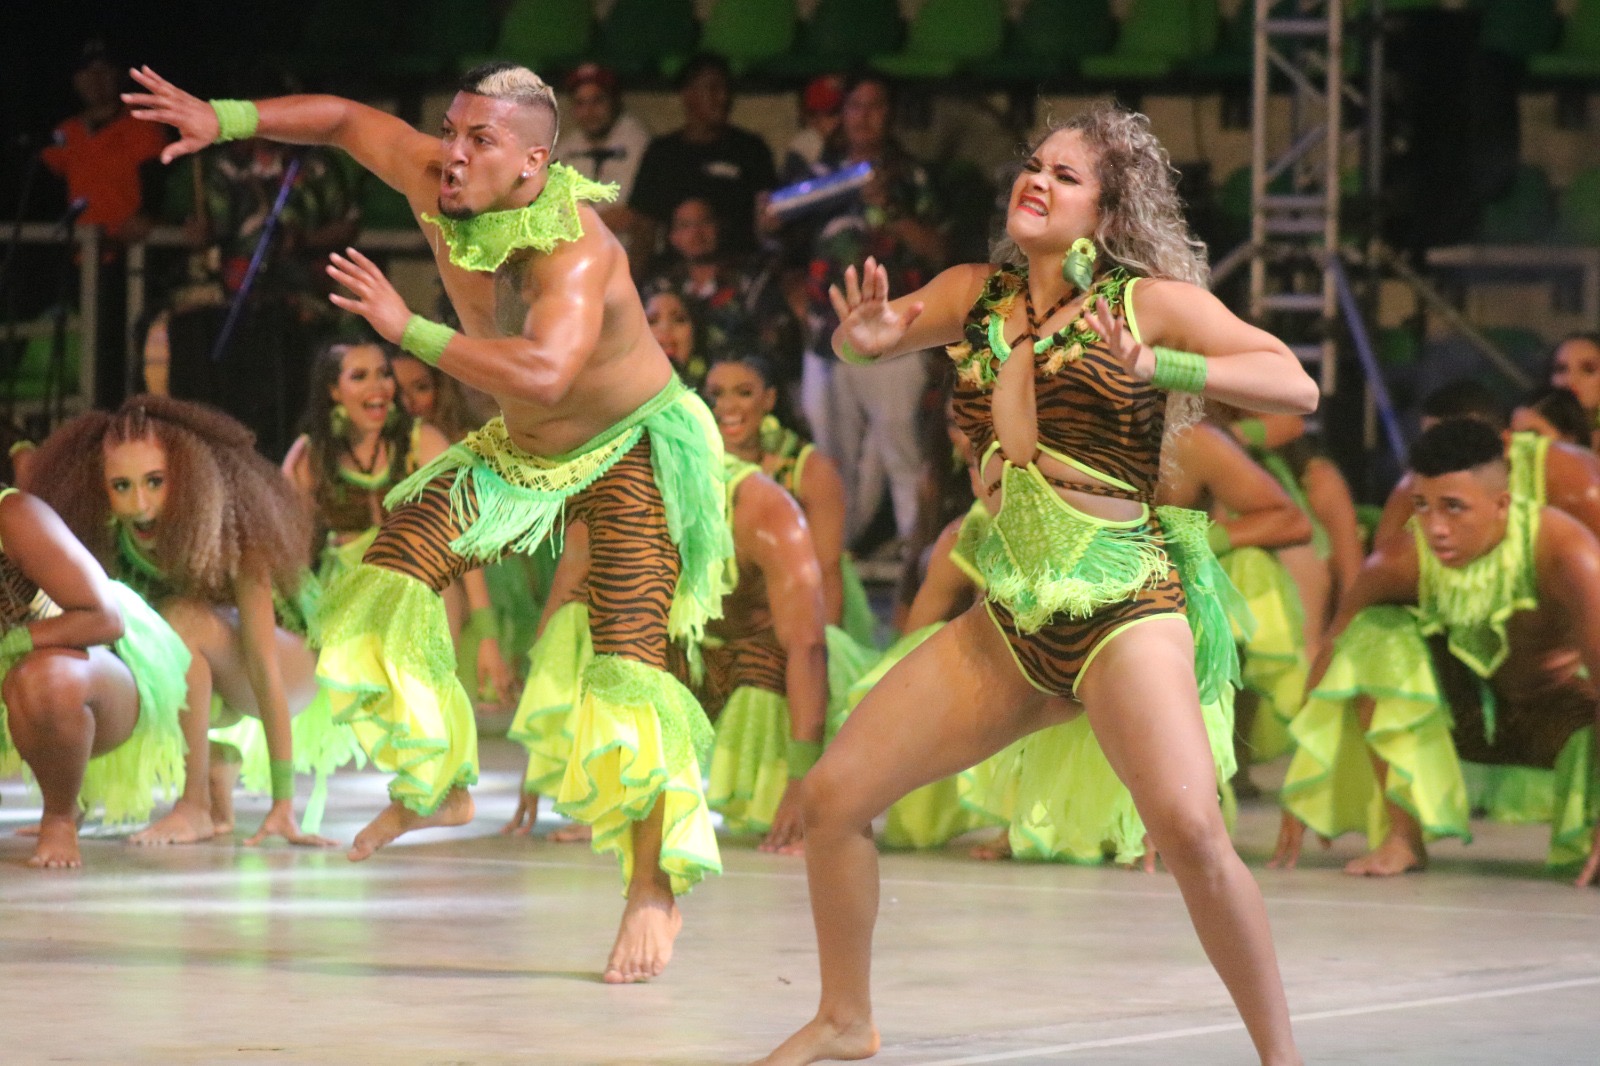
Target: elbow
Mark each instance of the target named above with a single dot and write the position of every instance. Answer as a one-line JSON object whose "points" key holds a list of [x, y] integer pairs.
{"points": [[1294, 528], [1306, 396], [546, 389], [109, 626]]}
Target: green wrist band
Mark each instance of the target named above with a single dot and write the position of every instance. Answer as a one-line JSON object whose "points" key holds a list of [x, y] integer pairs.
{"points": [[1252, 431], [1179, 371], [17, 642], [236, 119], [481, 624], [282, 771], [1218, 539], [802, 756], [426, 340], [853, 357]]}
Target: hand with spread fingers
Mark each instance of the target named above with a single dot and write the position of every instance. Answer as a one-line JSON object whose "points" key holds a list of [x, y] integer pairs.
{"points": [[1139, 360], [867, 321], [372, 296], [193, 118]]}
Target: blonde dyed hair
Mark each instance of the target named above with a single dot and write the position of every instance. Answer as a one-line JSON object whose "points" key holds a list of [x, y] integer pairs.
{"points": [[500, 80]]}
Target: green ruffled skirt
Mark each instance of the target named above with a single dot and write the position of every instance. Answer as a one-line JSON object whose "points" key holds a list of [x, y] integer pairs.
{"points": [[543, 722], [121, 784], [1274, 665]]}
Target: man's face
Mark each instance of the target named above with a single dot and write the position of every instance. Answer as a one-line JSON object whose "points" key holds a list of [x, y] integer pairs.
{"points": [[486, 148], [593, 110], [694, 231], [706, 99], [1462, 515], [866, 117]]}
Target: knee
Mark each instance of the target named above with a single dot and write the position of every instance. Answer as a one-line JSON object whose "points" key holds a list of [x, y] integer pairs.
{"points": [[43, 690], [194, 621], [825, 801]]}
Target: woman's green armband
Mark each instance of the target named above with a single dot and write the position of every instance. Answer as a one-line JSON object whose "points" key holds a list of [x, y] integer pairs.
{"points": [[802, 756], [853, 357], [282, 771], [17, 642], [1218, 540], [236, 119], [426, 340], [1179, 371]]}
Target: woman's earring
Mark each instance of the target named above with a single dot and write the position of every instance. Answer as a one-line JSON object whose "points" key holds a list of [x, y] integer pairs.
{"points": [[1078, 266], [339, 421]]}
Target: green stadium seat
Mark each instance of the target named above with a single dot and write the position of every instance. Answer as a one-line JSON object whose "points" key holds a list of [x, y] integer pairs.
{"points": [[1577, 57], [1524, 214], [1518, 28], [749, 33], [435, 35], [647, 38], [1044, 44], [1158, 39], [543, 35], [840, 36], [1579, 207], [338, 30], [946, 37]]}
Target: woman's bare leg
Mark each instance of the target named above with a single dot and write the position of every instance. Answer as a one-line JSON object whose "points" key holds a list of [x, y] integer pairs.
{"points": [[954, 701], [1139, 693], [64, 707]]}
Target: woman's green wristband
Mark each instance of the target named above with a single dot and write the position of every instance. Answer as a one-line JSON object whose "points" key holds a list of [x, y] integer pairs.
{"points": [[236, 119], [282, 771], [802, 756], [426, 340], [17, 642], [1218, 539], [1179, 371], [853, 357]]}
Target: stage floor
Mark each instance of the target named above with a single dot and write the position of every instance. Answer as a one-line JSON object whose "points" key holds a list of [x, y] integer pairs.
{"points": [[463, 946]]}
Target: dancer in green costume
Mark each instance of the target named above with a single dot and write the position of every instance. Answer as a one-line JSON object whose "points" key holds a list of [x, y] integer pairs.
{"points": [[1468, 638], [91, 679], [1066, 407], [594, 426]]}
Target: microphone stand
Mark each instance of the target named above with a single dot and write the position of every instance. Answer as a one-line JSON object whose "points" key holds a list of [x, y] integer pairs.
{"points": [[256, 259]]}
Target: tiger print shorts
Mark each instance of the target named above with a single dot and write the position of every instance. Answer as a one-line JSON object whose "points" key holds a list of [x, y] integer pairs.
{"points": [[633, 564], [1054, 658], [751, 660]]}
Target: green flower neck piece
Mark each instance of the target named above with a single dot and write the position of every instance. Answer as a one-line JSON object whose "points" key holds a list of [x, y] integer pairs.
{"points": [[485, 241]]}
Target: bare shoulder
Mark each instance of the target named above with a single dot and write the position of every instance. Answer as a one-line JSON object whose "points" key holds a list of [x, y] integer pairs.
{"points": [[1571, 464]]}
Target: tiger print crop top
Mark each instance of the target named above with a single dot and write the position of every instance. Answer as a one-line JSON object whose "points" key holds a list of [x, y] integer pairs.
{"points": [[1092, 414], [21, 599]]}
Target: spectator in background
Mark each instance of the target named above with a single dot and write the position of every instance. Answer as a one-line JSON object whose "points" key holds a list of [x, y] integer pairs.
{"points": [[1575, 365], [866, 417], [725, 165], [737, 301], [820, 105], [607, 143]]}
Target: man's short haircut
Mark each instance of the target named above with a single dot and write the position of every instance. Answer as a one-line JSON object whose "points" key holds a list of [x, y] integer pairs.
{"points": [[1466, 398], [1454, 445], [501, 80], [703, 61]]}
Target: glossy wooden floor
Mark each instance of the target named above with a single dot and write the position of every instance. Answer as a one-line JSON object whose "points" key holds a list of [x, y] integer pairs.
{"points": [[463, 946]]}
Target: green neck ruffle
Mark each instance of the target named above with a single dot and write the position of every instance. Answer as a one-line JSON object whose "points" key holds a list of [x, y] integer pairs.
{"points": [[485, 241], [1471, 604]]}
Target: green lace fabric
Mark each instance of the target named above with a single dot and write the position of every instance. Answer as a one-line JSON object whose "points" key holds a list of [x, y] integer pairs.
{"points": [[1471, 604], [974, 528], [1215, 609], [983, 349], [483, 242], [1042, 557], [508, 500]]}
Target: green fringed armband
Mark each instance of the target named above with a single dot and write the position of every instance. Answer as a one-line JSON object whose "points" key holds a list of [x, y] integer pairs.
{"points": [[853, 357], [426, 340], [1178, 371], [801, 756], [282, 771], [1217, 537], [236, 119], [17, 642]]}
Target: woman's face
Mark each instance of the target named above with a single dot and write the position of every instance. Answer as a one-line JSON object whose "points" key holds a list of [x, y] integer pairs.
{"points": [[417, 392], [365, 387], [1056, 198], [1577, 367], [740, 400], [671, 326], [136, 484]]}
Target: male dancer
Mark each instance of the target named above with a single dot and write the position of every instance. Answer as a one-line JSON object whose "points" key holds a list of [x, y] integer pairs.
{"points": [[594, 427]]}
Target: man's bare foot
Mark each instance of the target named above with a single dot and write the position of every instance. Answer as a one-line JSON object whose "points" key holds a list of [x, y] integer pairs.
{"points": [[58, 845], [572, 833], [1394, 856], [184, 824], [821, 1041], [994, 851], [397, 818], [650, 924]]}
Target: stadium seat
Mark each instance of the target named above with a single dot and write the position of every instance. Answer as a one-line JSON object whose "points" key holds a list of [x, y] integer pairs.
{"points": [[543, 35], [841, 35], [749, 33], [945, 37], [1047, 39], [1518, 28], [1580, 208], [1524, 214], [1577, 57], [1157, 39], [647, 38]]}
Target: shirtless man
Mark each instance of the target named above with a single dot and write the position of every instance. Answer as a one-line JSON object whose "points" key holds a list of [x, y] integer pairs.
{"points": [[1476, 549], [592, 418]]}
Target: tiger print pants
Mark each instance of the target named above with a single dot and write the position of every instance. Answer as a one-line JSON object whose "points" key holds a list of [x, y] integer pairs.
{"points": [[633, 564], [752, 660]]}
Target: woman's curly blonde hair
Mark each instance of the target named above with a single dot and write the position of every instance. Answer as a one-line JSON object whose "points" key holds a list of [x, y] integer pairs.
{"points": [[228, 511]]}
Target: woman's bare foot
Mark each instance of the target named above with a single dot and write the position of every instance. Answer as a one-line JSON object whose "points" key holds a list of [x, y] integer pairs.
{"points": [[58, 845], [1395, 855], [994, 851], [820, 1041], [571, 833], [397, 818], [184, 824], [650, 924]]}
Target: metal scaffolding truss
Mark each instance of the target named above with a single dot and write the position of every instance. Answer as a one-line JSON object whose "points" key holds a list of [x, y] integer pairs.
{"points": [[1295, 174]]}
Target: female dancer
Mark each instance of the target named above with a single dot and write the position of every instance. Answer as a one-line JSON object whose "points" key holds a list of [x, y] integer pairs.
{"points": [[1081, 597], [172, 497]]}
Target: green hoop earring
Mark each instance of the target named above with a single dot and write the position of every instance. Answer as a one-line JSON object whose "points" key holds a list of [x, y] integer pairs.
{"points": [[1078, 266]]}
